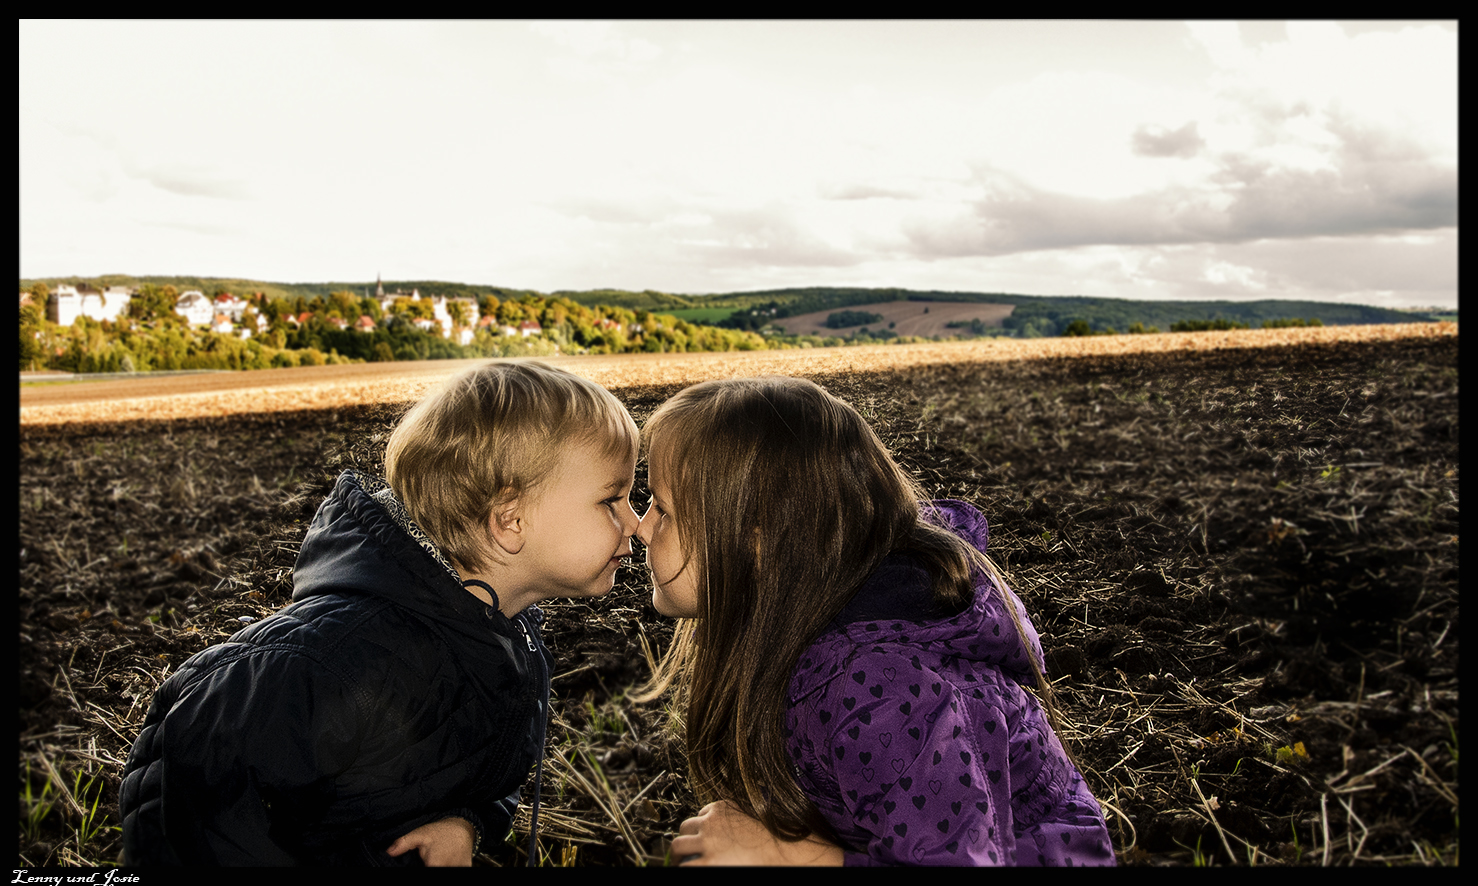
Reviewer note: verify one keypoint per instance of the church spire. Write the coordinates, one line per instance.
(379, 288)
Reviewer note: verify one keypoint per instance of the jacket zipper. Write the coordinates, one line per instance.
(539, 765)
(526, 638)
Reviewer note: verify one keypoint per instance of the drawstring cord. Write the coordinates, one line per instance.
(539, 769)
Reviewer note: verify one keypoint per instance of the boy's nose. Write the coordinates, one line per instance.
(643, 528)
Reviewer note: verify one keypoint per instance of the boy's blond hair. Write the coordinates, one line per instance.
(492, 434)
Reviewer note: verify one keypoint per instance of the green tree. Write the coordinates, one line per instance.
(346, 303)
(32, 352)
(459, 313)
(153, 303)
(416, 309)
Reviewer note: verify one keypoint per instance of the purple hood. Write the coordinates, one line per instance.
(911, 731)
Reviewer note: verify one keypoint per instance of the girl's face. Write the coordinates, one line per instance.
(674, 586)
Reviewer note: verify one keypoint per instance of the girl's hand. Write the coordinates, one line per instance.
(722, 835)
(443, 844)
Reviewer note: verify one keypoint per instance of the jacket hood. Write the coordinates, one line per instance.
(362, 542)
(895, 605)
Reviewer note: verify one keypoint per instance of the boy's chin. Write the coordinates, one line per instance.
(600, 590)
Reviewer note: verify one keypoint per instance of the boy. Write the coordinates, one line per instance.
(391, 713)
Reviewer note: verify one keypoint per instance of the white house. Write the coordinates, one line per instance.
(440, 307)
(69, 302)
(387, 300)
(195, 308)
(231, 306)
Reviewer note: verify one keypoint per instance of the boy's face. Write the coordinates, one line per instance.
(674, 586)
(579, 524)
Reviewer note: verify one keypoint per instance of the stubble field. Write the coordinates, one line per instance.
(1240, 551)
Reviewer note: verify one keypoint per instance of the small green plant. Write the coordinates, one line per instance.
(36, 806)
(1329, 471)
(91, 824)
(604, 719)
(1199, 859)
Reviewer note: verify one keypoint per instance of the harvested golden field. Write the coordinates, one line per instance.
(1240, 550)
(330, 387)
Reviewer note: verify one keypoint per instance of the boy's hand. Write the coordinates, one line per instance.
(443, 844)
(722, 835)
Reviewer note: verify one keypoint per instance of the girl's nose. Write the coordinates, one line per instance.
(644, 527)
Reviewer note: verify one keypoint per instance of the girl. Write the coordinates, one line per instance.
(851, 664)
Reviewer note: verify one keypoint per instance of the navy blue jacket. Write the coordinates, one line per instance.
(384, 697)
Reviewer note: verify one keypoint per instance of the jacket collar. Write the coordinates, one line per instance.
(899, 589)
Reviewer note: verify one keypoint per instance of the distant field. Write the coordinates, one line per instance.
(330, 387)
(921, 318)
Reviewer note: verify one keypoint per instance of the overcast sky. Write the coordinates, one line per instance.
(1153, 160)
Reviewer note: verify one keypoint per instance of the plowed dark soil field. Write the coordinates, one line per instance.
(1243, 563)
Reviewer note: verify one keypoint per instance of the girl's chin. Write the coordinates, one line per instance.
(665, 607)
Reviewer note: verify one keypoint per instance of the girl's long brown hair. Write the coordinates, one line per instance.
(785, 501)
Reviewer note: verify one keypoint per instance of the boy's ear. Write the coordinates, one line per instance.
(505, 524)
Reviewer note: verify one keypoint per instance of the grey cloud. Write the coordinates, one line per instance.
(1157, 141)
(859, 191)
(1358, 199)
(186, 179)
(1338, 264)
(1380, 183)
(193, 182)
(1016, 217)
(768, 236)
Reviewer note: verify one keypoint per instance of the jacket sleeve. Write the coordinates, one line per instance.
(920, 770)
(249, 749)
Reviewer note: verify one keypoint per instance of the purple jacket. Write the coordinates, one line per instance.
(914, 737)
